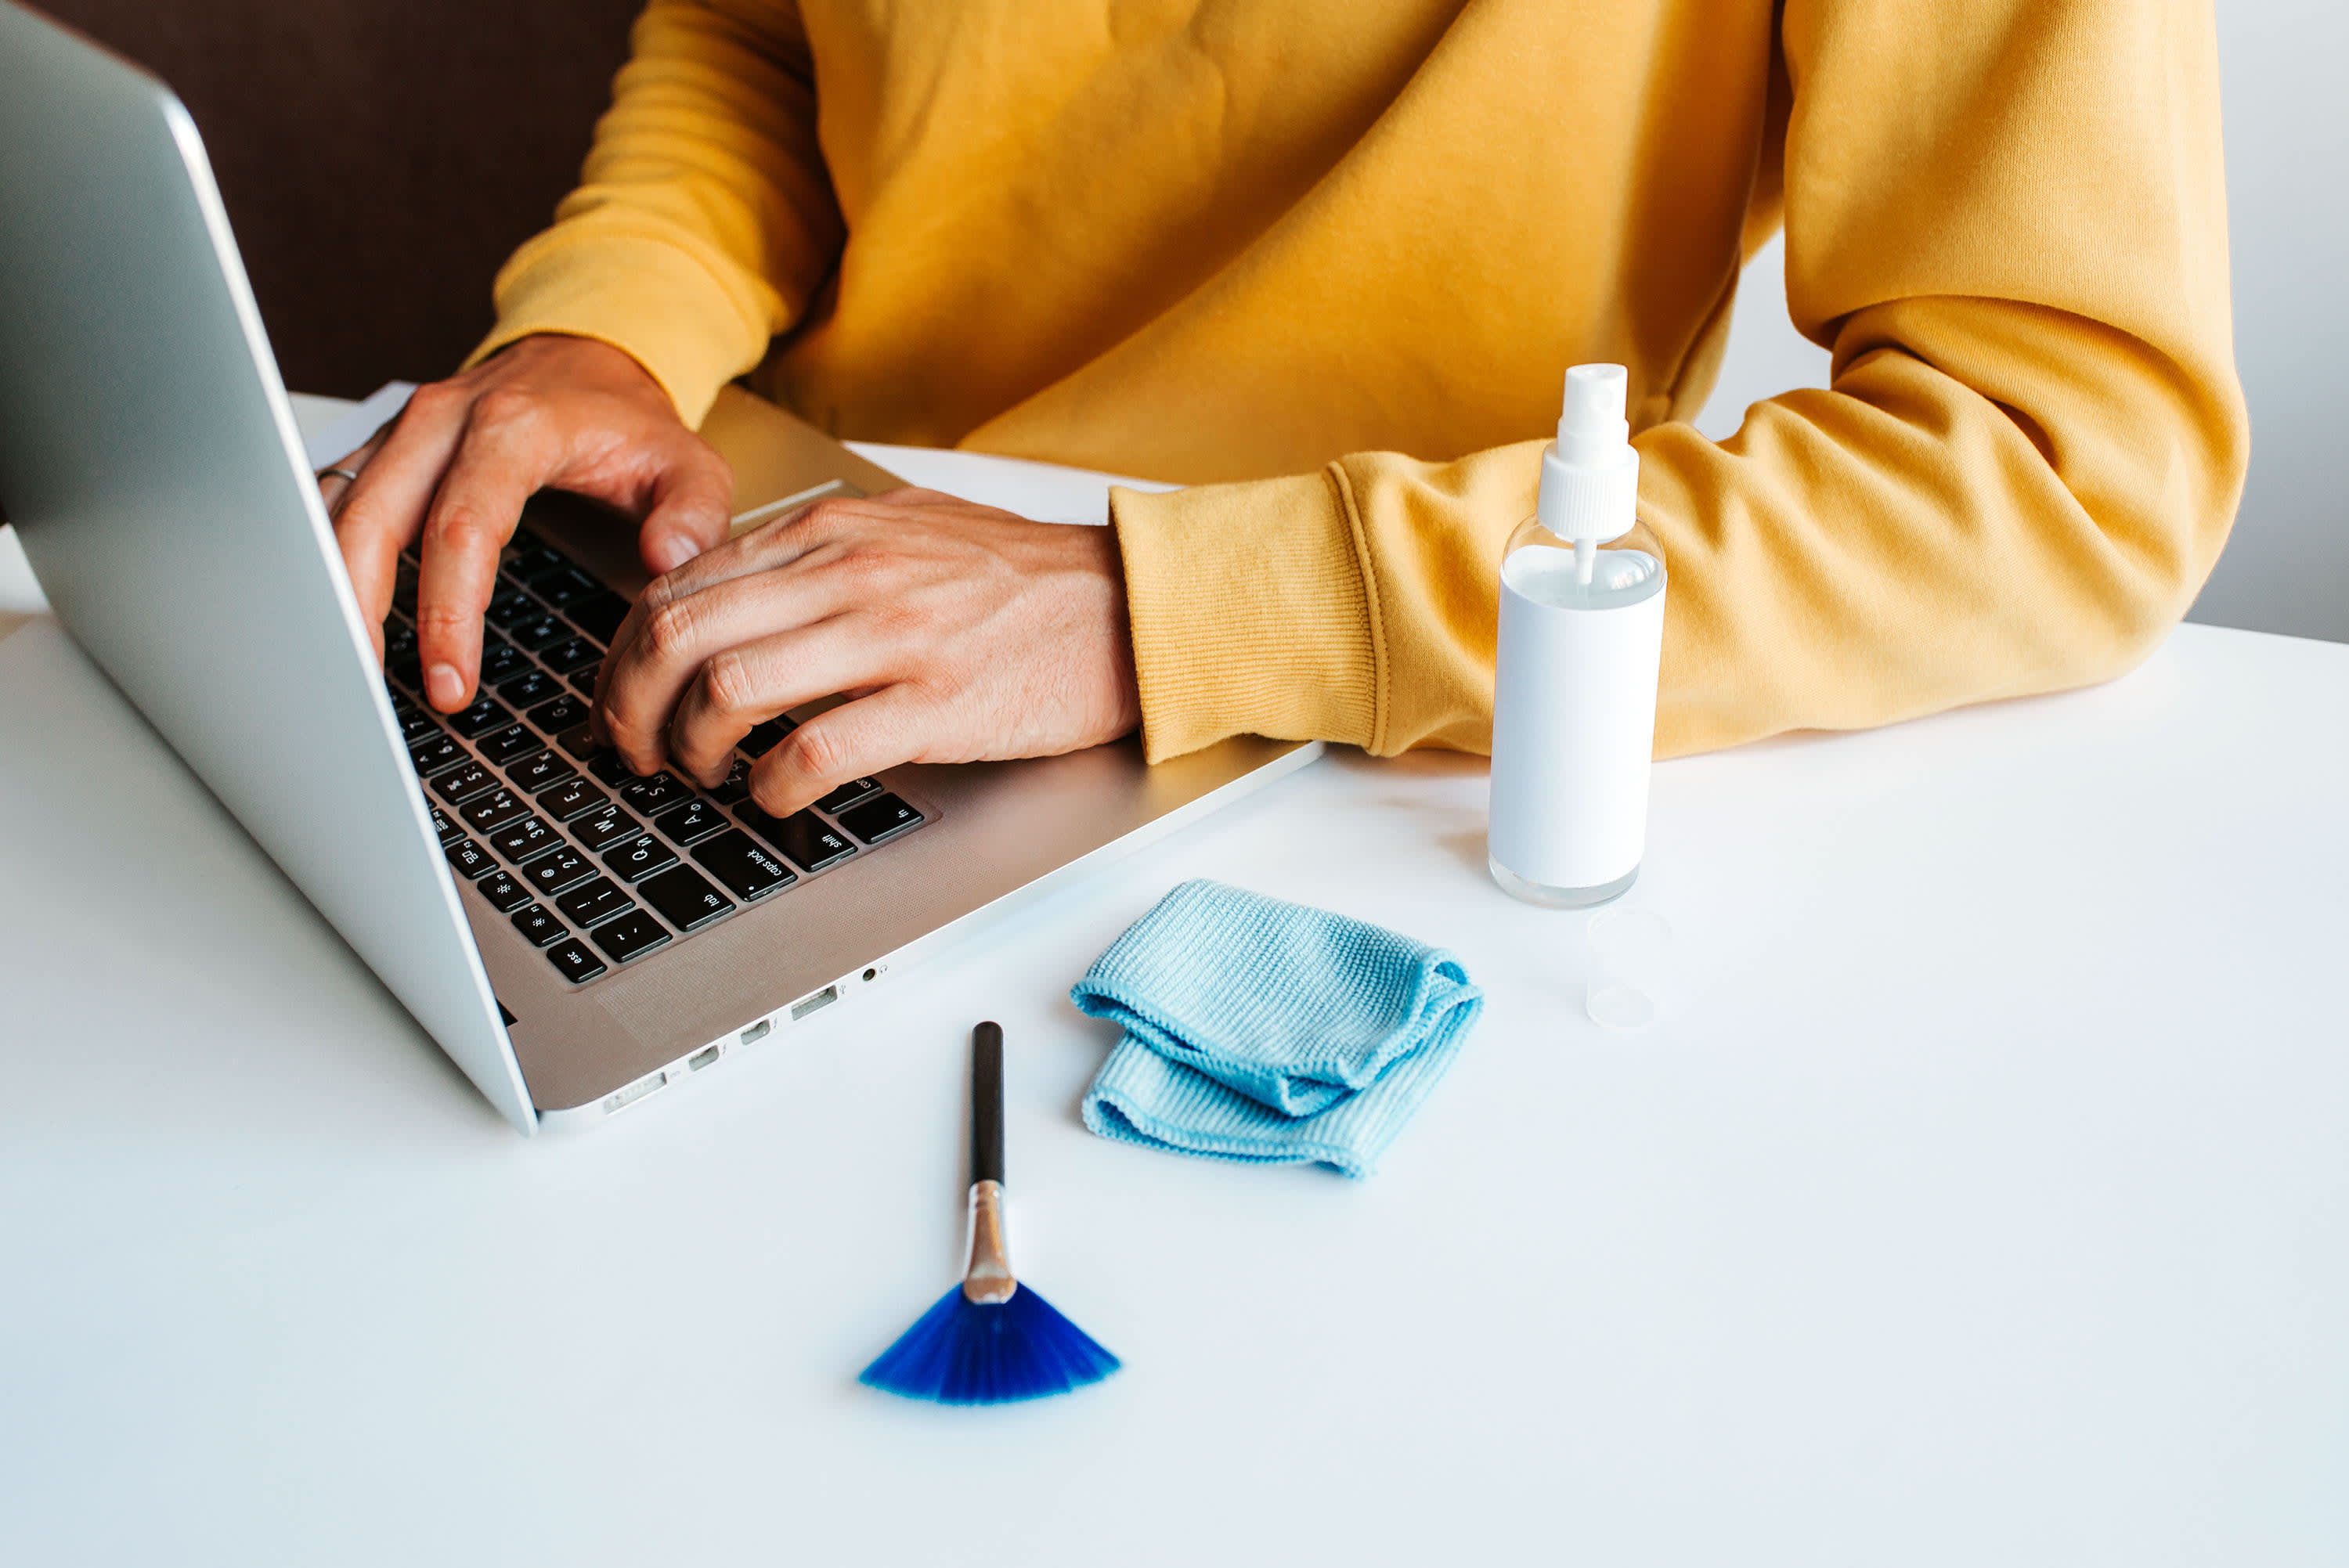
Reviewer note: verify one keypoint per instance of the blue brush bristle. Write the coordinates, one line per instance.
(961, 1353)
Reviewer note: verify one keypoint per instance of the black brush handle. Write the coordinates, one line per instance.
(986, 1103)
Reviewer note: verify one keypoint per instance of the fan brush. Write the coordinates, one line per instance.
(990, 1340)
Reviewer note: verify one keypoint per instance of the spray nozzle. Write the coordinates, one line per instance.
(1591, 474)
(1592, 420)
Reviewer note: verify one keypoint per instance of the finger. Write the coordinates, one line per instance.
(770, 547)
(785, 542)
(371, 570)
(691, 500)
(640, 685)
(377, 514)
(500, 464)
(896, 724)
(334, 479)
(753, 682)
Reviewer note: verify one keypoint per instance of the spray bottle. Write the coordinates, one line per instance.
(1574, 698)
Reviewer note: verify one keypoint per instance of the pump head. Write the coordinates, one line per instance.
(1591, 474)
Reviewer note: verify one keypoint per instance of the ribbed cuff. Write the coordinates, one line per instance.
(642, 296)
(1249, 613)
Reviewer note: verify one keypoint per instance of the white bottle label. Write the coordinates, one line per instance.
(1574, 716)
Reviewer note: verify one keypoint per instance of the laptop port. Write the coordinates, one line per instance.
(623, 1098)
(703, 1058)
(806, 1005)
(756, 1032)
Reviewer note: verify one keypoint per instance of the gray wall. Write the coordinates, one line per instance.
(2287, 117)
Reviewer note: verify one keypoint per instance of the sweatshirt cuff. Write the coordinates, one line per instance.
(1249, 613)
(640, 294)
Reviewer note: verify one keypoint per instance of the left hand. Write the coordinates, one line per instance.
(959, 633)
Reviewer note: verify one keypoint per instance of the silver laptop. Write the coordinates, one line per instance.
(576, 939)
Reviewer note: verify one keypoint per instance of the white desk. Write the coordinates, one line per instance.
(1987, 1200)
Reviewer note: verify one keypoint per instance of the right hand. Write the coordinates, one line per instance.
(454, 469)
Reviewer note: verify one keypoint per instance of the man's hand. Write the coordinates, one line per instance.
(960, 634)
(456, 467)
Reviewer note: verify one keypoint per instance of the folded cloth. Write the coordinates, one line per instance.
(1269, 1032)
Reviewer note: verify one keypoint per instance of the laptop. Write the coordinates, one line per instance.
(576, 938)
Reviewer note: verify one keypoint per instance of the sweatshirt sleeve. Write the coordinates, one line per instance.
(705, 221)
(2012, 234)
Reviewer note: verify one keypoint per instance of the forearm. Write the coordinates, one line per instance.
(2013, 240)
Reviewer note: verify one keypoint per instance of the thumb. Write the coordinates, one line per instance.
(692, 503)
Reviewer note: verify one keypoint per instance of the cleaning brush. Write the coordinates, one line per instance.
(990, 1339)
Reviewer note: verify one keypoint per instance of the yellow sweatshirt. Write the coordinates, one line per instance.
(1326, 261)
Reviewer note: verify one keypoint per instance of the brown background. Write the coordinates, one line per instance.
(379, 158)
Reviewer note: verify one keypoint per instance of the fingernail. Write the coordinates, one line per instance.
(444, 686)
(673, 552)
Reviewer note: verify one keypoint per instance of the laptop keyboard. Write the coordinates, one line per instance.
(595, 866)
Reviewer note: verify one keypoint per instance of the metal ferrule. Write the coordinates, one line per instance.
(987, 1281)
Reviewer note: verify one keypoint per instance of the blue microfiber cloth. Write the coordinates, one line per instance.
(1269, 1032)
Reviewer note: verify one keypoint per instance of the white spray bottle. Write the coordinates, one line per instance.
(1574, 697)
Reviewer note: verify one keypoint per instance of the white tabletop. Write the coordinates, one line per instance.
(1985, 1199)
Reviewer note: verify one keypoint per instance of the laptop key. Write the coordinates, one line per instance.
(691, 823)
(534, 635)
(531, 558)
(570, 655)
(539, 771)
(511, 606)
(415, 724)
(804, 839)
(529, 689)
(572, 797)
(630, 936)
(550, 874)
(609, 765)
(882, 817)
(601, 830)
(764, 737)
(488, 813)
(449, 832)
(565, 585)
(501, 661)
(502, 746)
(559, 714)
(485, 716)
(657, 793)
(580, 742)
(463, 783)
(597, 900)
(684, 898)
(599, 615)
(524, 839)
(639, 857)
(735, 786)
(847, 795)
(583, 679)
(504, 894)
(469, 859)
(538, 925)
(434, 753)
(750, 872)
(575, 962)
